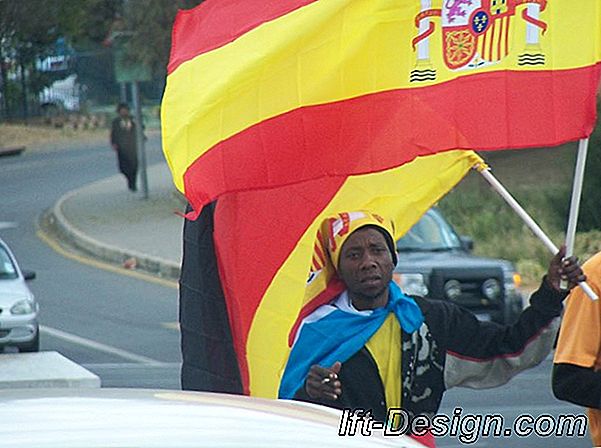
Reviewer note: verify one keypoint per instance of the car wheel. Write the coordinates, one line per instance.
(33, 346)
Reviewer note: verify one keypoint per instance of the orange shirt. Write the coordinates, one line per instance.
(580, 335)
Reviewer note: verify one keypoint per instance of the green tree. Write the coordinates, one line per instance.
(93, 27)
(150, 22)
(28, 31)
(86, 23)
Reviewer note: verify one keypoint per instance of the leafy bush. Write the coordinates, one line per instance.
(499, 232)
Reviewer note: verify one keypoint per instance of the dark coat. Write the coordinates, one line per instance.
(452, 348)
(123, 136)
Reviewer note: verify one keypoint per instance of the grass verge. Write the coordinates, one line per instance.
(476, 210)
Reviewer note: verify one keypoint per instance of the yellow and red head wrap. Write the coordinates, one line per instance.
(322, 283)
(337, 229)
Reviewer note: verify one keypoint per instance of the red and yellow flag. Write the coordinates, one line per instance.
(265, 244)
(268, 93)
(288, 111)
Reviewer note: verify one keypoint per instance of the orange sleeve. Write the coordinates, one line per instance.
(580, 333)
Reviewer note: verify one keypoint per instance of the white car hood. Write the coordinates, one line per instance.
(102, 418)
(12, 291)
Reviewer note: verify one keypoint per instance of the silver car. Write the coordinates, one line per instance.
(18, 307)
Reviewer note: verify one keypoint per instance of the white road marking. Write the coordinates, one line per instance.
(128, 365)
(74, 339)
(8, 225)
(170, 325)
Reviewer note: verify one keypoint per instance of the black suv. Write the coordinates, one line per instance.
(435, 262)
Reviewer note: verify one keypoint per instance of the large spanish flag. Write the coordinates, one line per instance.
(267, 93)
(288, 111)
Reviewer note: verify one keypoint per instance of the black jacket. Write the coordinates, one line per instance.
(452, 348)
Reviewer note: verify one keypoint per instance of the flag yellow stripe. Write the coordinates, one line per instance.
(505, 44)
(330, 51)
(402, 194)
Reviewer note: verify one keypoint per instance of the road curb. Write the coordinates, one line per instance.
(11, 151)
(73, 236)
(45, 369)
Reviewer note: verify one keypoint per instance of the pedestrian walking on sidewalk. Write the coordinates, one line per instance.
(123, 141)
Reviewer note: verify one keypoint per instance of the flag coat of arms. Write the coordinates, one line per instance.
(287, 111)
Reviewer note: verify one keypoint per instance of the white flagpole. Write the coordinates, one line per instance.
(484, 170)
(575, 203)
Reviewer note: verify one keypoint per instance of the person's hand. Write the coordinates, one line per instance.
(323, 383)
(564, 269)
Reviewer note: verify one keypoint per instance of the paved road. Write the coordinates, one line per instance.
(120, 327)
(527, 393)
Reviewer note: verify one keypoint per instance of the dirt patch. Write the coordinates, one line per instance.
(41, 138)
(45, 138)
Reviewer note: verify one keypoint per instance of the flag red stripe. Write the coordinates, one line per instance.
(319, 253)
(330, 139)
(316, 265)
(249, 259)
(215, 23)
(501, 31)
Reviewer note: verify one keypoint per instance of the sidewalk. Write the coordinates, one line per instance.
(104, 219)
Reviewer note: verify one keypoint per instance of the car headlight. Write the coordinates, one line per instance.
(491, 289)
(22, 307)
(512, 282)
(452, 289)
(411, 284)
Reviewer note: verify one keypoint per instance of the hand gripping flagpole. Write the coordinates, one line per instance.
(484, 170)
(575, 204)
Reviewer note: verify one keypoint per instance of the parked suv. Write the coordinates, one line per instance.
(435, 262)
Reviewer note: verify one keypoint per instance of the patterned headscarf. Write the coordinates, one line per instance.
(323, 283)
(337, 229)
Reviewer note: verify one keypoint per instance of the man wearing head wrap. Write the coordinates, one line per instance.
(374, 348)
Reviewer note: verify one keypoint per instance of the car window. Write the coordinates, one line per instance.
(431, 232)
(8, 270)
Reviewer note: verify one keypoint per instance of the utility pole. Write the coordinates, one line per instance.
(123, 92)
(127, 72)
(135, 94)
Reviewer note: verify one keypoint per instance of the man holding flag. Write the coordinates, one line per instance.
(277, 114)
(373, 348)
